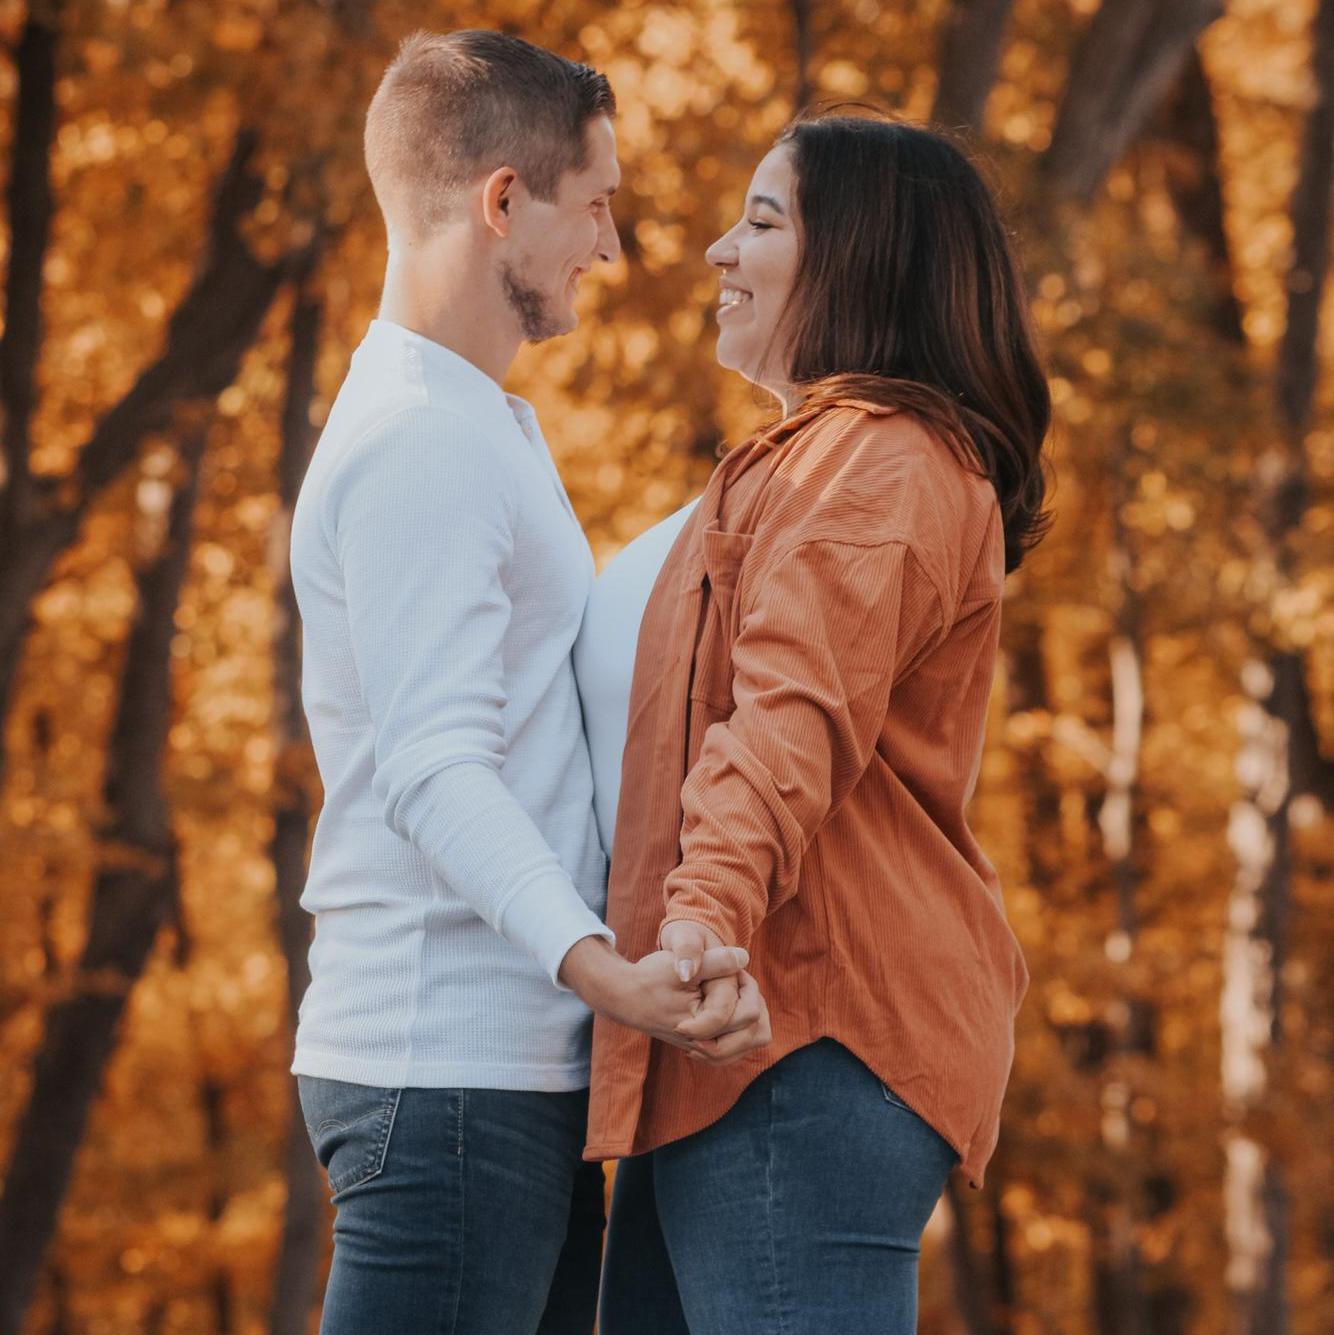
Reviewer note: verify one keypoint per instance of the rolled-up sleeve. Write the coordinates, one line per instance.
(822, 635)
(421, 521)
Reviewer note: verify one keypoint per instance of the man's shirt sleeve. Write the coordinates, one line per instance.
(420, 516)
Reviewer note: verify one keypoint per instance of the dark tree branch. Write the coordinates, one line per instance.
(1126, 64)
(207, 336)
(30, 208)
(1190, 129)
(353, 16)
(969, 58)
(801, 41)
(209, 331)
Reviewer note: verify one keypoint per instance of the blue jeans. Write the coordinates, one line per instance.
(799, 1212)
(459, 1211)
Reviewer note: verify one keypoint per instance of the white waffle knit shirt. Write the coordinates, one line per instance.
(442, 575)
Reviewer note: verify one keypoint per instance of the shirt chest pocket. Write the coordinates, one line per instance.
(724, 555)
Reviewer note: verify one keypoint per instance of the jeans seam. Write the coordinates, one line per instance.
(386, 1130)
(462, 1213)
(769, 1192)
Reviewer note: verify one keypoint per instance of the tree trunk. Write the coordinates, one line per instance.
(1118, 1284)
(212, 1096)
(1279, 758)
(29, 208)
(1126, 64)
(801, 41)
(969, 59)
(971, 1284)
(984, 1285)
(133, 894)
(295, 1285)
(1310, 247)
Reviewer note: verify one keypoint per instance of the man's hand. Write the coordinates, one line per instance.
(747, 1030)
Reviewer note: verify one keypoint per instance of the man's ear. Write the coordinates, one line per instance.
(498, 200)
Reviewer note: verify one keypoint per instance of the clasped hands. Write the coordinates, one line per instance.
(693, 993)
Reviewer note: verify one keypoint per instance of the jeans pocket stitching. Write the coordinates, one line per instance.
(337, 1123)
(373, 1164)
(893, 1099)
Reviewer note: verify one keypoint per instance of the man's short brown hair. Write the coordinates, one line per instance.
(455, 106)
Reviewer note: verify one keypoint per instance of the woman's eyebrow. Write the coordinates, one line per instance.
(770, 201)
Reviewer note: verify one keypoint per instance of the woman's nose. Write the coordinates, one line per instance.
(718, 254)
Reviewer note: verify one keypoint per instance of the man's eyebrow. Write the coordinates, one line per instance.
(770, 201)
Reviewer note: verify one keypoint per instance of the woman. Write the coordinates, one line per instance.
(805, 728)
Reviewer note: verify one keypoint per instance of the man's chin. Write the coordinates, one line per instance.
(555, 326)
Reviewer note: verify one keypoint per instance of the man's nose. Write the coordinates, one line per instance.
(609, 241)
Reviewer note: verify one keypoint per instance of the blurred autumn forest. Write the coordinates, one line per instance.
(192, 252)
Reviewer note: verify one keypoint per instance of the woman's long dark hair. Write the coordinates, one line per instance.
(907, 292)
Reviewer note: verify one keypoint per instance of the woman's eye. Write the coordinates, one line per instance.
(760, 226)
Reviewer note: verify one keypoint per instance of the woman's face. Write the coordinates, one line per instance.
(757, 261)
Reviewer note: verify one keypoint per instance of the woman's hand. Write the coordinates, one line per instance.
(733, 1018)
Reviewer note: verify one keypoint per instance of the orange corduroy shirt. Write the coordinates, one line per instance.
(805, 732)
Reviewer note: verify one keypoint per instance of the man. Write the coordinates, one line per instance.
(456, 877)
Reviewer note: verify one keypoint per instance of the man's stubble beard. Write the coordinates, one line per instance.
(536, 319)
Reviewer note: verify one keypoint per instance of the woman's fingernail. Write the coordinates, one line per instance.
(684, 969)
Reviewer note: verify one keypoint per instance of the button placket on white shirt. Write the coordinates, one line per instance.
(526, 417)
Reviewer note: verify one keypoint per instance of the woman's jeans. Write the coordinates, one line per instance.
(459, 1211)
(799, 1212)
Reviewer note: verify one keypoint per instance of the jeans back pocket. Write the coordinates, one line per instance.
(349, 1127)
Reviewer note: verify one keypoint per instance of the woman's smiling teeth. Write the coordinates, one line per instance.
(731, 296)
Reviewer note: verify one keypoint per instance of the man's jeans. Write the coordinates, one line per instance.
(800, 1211)
(458, 1210)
